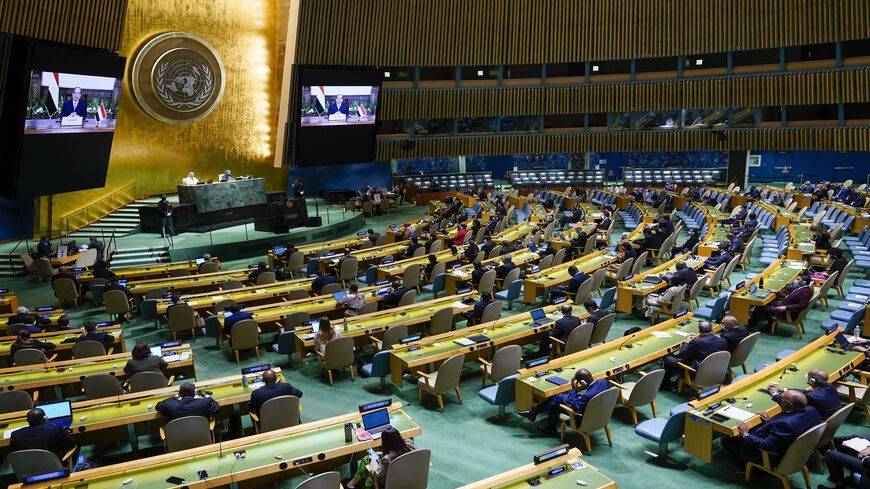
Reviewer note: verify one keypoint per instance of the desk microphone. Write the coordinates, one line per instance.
(630, 337)
(220, 447)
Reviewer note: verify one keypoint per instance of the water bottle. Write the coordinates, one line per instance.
(244, 381)
(348, 432)
(857, 332)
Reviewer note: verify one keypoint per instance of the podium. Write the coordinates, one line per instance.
(212, 197)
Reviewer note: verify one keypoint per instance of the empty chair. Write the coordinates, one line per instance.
(101, 385)
(380, 367)
(741, 352)
(33, 461)
(157, 293)
(441, 321)
(437, 285)
(445, 379)
(15, 400)
(295, 319)
(116, 303)
(44, 270)
(232, 284)
(608, 297)
(596, 416)
(491, 312)
(187, 432)
(664, 431)
(710, 372)
(635, 394)
(487, 282)
(266, 278)
(181, 318)
(348, 270)
(179, 272)
(407, 298)
(223, 305)
(793, 460)
(146, 381)
(276, 413)
(368, 308)
(338, 356)
(245, 335)
(408, 471)
(65, 290)
(209, 267)
(601, 329)
(505, 362)
(326, 480)
(31, 356)
(84, 349)
(500, 394)
(411, 277)
(391, 337)
(583, 291)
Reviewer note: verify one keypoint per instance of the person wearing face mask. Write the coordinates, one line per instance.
(773, 434)
(821, 395)
(794, 301)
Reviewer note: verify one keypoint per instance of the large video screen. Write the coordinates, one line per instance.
(337, 115)
(71, 101)
(58, 118)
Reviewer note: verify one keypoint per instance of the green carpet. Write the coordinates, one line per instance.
(466, 444)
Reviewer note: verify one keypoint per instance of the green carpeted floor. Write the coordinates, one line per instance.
(466, 443)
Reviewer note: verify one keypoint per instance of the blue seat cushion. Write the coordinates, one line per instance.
(827, 323)
(767, 260)
(858, 298)
(860, 290)
(842, 315)
(488, 393)
(783, 354)
(740, 377)
(429, 288)
(850, 306)
(651, 429)
(861, 283)
(704, 312)
(680, 408)
(501, 294)
(762, 366)
(367, 369)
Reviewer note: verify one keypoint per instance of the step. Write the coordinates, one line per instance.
(121, 219)
(141, 254)
(144, 248)
(119, 262)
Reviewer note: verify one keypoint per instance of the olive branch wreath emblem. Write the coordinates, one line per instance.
(167, 97)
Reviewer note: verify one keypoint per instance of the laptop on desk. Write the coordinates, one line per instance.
(375, 422)
(539, 317)
(58, 413)
(753, 290)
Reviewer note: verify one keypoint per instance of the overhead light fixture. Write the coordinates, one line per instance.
(594, 67)
(479, 72)
(386, 74)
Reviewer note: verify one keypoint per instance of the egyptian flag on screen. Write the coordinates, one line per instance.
(319, 98)
(53, 103)
(361, 110)
(100, 113)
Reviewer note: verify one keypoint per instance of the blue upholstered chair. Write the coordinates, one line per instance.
(500, 394)
(663, 431)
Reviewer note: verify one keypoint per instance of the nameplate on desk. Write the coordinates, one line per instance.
(338, 116)
(72, 120)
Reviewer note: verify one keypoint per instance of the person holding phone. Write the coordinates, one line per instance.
(375, 464)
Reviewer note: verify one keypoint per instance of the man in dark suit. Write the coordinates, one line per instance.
(595, 314)
(430, 240)
(664, 225)
(23, 316)
(271, 388)
(261, 268)
(735, 244)
(75, 106)
(322, 280)
(720, 257)
(506, 266)
(684, 275)
(185, 404)
(577, 279)
(843, 458)
(373, 236)
(576, 399)
(471, 251)
(477, 274)
(694, 351)
(773, 434)
(476, 314)
(40, 436)
(236, 316)
(732, 331)
(338, 105)
(97, 245)
(821, 395)
(412, 247)
(651, 240)
(794, 302)
(392, 299)
(91, 334)
(43, 248)
(488, 244)
(561, 329)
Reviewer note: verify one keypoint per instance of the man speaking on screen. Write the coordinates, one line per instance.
(338, 105)
(76, 105)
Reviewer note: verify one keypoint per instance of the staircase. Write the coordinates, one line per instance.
(125, 257)
(8, 269)
(121, 222)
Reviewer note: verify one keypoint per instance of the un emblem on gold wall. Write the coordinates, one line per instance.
(178, 78)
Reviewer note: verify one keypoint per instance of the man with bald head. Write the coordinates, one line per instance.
(271, 388)
(774, 434)
(186, 404)
(40, 436)
(732, 331)
(821, 395)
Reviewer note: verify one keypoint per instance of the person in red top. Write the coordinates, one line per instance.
(460, 236)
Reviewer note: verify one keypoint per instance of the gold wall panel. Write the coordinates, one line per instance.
(238, 135)
(93, 23)
(485, 32)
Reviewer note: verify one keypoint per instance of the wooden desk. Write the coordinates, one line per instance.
(514, 233)
(311, 447)
(104, 416)
(574, 469)
(273, 292)
(314, 249)
(801, 242)
(633, 291)
(396, 269)
(563, 240)
(605, 360)
(781, 217)
(460, 277)
(178, 284)
(396, 232)
(701, 429)
(776, 276)
(63, 350)
(540, 283)
(449, 233)
(72, 372)
(143, 272)
(366, 257)
(58, 262)
(368, 326)
(513, 330)
(9, 302)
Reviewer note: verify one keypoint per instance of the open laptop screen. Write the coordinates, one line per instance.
(157, 351)
(375, 419)
(538, 314)
(57, 410)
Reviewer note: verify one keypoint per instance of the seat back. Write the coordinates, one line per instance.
(381, 363)
(834, 422)
(393, 335)
(730, 267)
(116, 302)
(181, 317)
(330, 289)
(231, 284)
(157, 293)
(743, 349)
(411, 277)
(448, 373)
(697, 287)
(65, 289)
(295, 319)
(716, 277)
(559, 257)
(210, 267)
(84, 349)
(279, 412)
(29, 356)
(843, 273)
(338, 354)
(495, 251)
(187, 432)
(599, 410)
(601, 329)
(623, 269)
(407, 298)
(15, 400)
(506, 361)
(349, 269)
(491, 312)
(33, 461)
(266, 278)
(640, 262)
(675, 425)
(441, 322)
(101, 385)
(435, 246)
(598, 278)
(546, 262)
(419, 251)
(222, 305)
(326, 480)
(179, 272)
(712, 370)
(645, 390)
(44, 269)
(438, 269)
(487, 281)
(409, 470)
(795, 457)
(583, 291)
(511, 276)
(368, 308)
(146, 381)
(245, 334)
(295, 261)
(578, 339)
(676, 303)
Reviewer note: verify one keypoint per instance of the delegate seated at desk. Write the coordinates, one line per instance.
(39, 436)
(185, 404)
(271, 388)
(190, 179)
(75, 106)
(338, 105)
(227, 176)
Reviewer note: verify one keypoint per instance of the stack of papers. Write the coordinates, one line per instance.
(661, 334)
(458, 305)
(8, 433)
(683, 333)
(736, 413)
(856, 444)
(464, 341)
